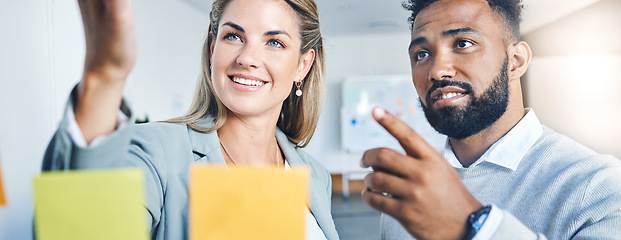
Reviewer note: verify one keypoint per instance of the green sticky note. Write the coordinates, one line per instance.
(88, 204)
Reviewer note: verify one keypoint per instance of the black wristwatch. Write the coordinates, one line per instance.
(475, 221)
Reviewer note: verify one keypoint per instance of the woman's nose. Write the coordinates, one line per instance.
(249, 56)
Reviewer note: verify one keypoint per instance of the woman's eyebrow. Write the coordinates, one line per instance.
(277, 32)
(268, 33)
(235, 26)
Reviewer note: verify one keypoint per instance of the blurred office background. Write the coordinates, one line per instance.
(572, 82)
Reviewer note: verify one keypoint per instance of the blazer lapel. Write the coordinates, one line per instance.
(316, 192)
(206, 145)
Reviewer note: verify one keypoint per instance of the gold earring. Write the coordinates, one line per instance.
(299, 91)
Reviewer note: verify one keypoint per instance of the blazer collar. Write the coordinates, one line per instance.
(206, 145)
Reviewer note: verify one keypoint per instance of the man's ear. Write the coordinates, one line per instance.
(519, 58)
(306, 62)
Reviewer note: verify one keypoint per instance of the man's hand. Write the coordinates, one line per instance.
(423, 191)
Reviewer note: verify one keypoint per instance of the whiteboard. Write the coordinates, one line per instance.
(396, 94)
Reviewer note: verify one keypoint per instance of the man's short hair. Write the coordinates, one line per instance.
(509, 10)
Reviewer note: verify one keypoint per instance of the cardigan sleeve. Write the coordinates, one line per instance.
(599, 215)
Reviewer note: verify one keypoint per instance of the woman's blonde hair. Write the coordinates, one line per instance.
(299, 114)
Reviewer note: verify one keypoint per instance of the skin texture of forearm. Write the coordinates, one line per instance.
(110, 57)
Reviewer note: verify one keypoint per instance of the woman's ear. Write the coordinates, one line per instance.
(212, 43)
(306, 62)
(519, 59)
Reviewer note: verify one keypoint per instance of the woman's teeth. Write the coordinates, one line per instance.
(248, 81)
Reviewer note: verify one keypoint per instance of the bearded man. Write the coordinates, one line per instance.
(502, 175)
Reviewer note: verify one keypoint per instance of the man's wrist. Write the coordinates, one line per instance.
(475, 221)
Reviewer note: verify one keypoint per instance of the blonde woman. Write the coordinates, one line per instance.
(256, 104)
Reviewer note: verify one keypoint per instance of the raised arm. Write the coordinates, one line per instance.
(110, 57)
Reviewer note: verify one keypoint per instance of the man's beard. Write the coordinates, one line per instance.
(482, 112)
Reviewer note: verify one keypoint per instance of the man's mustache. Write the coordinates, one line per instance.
(445, 83)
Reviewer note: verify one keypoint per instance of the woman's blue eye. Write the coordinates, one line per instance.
(275, 43)
(420, 55)
(232, 37)
(464, 44)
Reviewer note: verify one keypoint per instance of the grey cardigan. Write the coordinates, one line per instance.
(164, 151)
(560, 190)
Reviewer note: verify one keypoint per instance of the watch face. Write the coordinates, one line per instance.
(476, 220)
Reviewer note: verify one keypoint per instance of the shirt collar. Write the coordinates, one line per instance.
(509, 150)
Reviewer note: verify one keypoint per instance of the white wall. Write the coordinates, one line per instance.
(579, 96)
(573, 81)
(346, 56)
(26, 92)
(41, 58)
(170, 39)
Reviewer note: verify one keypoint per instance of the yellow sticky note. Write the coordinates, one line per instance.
(247, 203)
(2, 197)
(81, 204)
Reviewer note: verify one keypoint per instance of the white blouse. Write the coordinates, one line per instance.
(313, 231)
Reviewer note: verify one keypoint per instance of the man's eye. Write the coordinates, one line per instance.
(420, 55)
(232, 37)
(464, 44)
(275, 43)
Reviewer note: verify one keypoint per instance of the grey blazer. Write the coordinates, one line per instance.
(164, 151)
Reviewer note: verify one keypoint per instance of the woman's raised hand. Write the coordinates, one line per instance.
(110, 39)
(110, 56)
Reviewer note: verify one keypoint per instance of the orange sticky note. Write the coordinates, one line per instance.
(90, 204)
(247, 203)
(2, 196)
